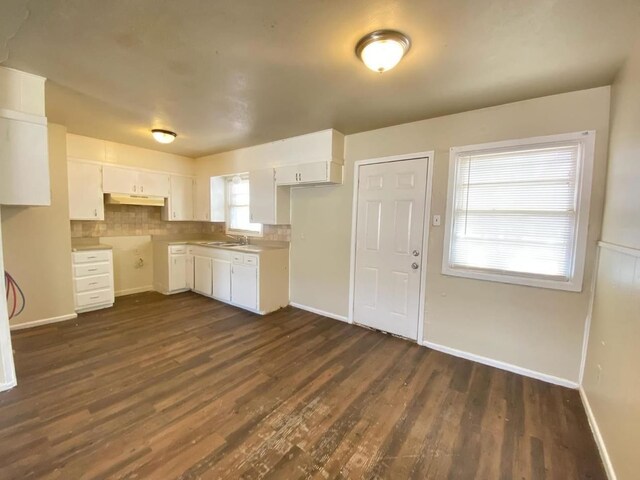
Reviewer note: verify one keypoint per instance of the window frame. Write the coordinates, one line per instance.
(583, 203)
(227, 208)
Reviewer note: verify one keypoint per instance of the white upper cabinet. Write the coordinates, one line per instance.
(202, 199)
(179, 206)
(268, 203)
(314, 173)
(134, 182)
(119, 180)
(24, 147)
(218, 194)
(153, 184)
(86, 201)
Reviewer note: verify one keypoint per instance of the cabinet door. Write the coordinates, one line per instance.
(181, 198)
(218, 195)
(24, 163)
(202, 196)
(86, 201)
(314, 172)
(244, 286)
(154, 184)
(189, 271)
(262, 196)
(119, 180)
(287, 175)
(177, 272)
(222, 279)
(202, 275)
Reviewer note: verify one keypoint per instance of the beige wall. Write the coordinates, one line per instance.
(533, 328)
(130, 275)
(37, 243)
(611, 382)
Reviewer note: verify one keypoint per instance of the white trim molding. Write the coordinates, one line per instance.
(7, 386)
(44, 321)
(131, 291)
(317, 311)
(602, 448)
(634, 252)
(563, 382)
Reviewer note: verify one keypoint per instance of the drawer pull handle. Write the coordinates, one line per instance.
(93, 256)
(93, 283)
(92, 269)
(95, 297)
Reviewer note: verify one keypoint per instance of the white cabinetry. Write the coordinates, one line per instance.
(202, 275)
(202, 199)
(178, 268)
(317, 173)
(24, 147)
(244, 282)
(269, 204)
(92, 279)
(221, 279)
(180, 203)
(86, 201)
(133, 182)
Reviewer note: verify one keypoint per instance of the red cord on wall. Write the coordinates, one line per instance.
(15, 296)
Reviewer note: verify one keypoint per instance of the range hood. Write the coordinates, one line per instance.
(119, 199)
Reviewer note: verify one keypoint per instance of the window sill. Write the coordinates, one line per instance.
(573, 285)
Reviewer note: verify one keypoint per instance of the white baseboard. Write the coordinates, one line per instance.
(44, 321)
(320, 312)
(502, 365)
(131, 291)
(7, 386)
(604, 454)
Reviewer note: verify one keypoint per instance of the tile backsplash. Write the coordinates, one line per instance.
(132, 220)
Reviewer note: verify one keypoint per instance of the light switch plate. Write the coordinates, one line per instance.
(436, 221)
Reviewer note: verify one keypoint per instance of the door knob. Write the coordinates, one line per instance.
(416, 253)
(414, 265)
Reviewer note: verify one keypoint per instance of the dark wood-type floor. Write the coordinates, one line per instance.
(186, 387)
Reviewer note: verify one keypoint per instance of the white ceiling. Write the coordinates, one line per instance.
(229, 73)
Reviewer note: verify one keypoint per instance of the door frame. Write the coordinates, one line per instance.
(428, 156)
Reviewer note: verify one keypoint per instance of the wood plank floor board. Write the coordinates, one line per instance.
(182, 386)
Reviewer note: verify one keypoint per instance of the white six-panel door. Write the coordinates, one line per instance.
(389, 239)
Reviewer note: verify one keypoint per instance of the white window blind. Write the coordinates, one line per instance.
(238, 207)
(515, 210)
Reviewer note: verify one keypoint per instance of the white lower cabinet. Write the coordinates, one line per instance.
(254, 281)
(178, 272)
(221, 279)
(202, 275)
(244, 286)
(92, 279)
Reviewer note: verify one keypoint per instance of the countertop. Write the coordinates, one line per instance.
(234, 248)
(94, 246)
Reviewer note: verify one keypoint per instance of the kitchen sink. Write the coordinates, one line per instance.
(220, 244)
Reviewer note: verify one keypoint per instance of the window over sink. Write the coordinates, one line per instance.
(238, 217)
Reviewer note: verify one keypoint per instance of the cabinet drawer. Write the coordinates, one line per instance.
(99, 282)
(250, 259)
(91, 256)
(236, 258)
(94, 298)
(86, 270)
(178, 249)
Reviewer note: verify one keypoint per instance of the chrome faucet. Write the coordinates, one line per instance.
(243, 239)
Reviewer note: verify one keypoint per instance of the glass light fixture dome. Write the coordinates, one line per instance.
(163, 136)
(383, 49)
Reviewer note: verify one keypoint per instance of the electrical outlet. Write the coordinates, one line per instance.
(436, 221)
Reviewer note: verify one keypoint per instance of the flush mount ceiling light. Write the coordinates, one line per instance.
(383, 49)
(163, 136)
